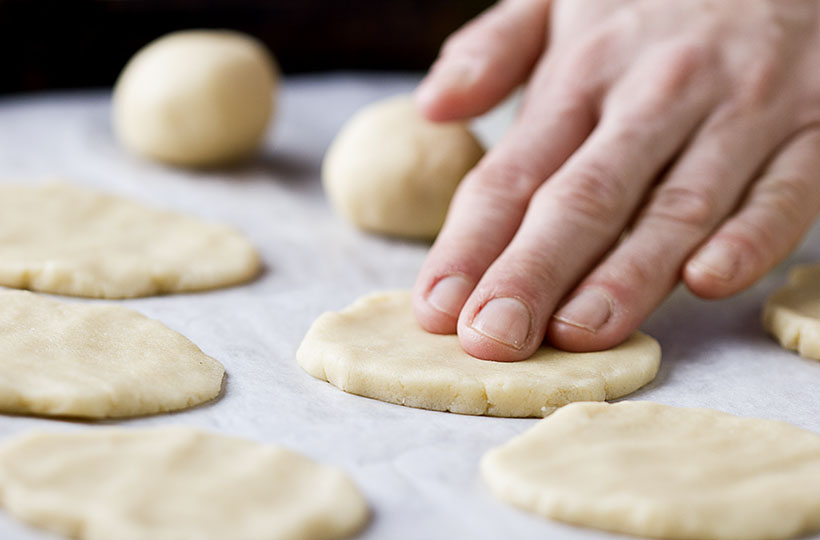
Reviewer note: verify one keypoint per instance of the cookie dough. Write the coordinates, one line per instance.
(196, 98)
(96, 361)
(792, 313)
(391, 171)
(375, 348)
(63, 239)
(652, 470)
(173, 483)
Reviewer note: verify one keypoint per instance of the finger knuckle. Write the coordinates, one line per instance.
(593, 191)
(753, 92)
(685, 55)
(778, 207)
(757, 86)
(507, 181)
(785, 196)
(676, 66)
(645, 99)
(584, 64)
(629, 277)
(567, 105)
(756, 239)
(636, 272)
(589, 52)
(539, 265)
(530, 271)
(684, 206)
(751, 241)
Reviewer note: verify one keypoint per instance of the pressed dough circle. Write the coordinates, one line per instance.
(173, 483)
(391, 171)
(196, 98)
(375, 348)
(652, 470)
(792, 313)
(63, 239)
(96, 361)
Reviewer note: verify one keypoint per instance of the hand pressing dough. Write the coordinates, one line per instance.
(63, 239)
(96, 361)
(792, 313)
(652, 470)
(391, 171)
(375, 348)
(172, 484)
(196, 98)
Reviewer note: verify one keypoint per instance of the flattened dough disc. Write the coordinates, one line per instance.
(96, 361)
(652, 470)
(63, 239)
(375, 348)
(792, 313)
(173, 484)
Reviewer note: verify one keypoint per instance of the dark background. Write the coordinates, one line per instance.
(85, 43)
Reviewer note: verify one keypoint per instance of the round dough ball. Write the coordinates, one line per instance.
(391, 171)
(196, 98)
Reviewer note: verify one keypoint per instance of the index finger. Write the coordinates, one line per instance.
(490, 203)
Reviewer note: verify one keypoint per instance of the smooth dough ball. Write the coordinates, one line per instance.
(196, 98)
(391, 171)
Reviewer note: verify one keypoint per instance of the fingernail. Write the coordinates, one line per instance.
(590, 309)
(449, 295)
(718, 259)
(506, 320)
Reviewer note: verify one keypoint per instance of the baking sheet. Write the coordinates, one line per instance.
(418, 469)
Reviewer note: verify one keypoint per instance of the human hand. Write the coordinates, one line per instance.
(658, 140)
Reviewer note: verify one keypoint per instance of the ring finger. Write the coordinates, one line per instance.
(700, 190)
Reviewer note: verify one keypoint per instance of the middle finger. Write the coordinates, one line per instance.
(701, 189)
(579, 213)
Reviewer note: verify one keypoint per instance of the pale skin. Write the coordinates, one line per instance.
(659, 141)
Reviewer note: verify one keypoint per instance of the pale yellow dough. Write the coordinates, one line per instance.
(196, 98)
(792, 313)
(173, 484)
(391, 171)
(64, 239)
(375, 348)
(96, 361)
(652, 470)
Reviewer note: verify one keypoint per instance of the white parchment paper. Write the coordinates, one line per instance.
(417, 468)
